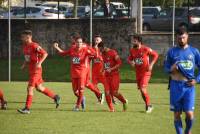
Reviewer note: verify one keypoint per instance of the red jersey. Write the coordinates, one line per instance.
(79, 62)
(97, 66)
(141, 58)
(33, 53)
(110, 61)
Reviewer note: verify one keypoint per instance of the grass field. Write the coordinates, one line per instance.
(45, 119)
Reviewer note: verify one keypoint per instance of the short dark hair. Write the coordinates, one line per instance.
(181, 31)
(74, 35)
(26, 32)
(101, 45)
(78, 37)
(97, 35)
(137, 37)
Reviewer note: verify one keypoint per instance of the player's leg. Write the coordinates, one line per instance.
(143, 83)
(115, 90)
(81, 86)
(108, 93)
(29, 99)
(75, 87)
(178, 122)
(48, 92)
(2, 100)
(189, 102)
(176, 104)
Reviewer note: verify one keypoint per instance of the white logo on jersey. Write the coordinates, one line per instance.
(107, 65)
(187, 64)
(138, 61)
(76, 60)
(27, 58)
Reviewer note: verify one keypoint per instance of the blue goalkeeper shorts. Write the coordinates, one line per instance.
(182, 96)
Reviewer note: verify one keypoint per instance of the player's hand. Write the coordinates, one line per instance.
(191, 82)
(38, 65)
(108, 70)
(55, 45)
(174, 68)
(22, 67)
(132, 63)
(150, 67)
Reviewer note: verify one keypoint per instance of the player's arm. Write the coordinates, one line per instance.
(24, 65)
(60, 51)
(154, 56)
(197, 62)
(131, 61)
(168, 63)
(43, 54)
(118, 61)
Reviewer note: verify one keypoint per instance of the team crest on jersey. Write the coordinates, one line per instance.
(76, 60)
(190, 56)
(97, 60)
(107, 65)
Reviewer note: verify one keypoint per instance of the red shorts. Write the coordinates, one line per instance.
(78, 83)
(143, 81)
(35, 80)
(100, 79)
(113, 82)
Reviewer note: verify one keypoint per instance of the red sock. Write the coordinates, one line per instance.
(29, 101)
(109, 102)
(49, 93)
(80, 98)
(93, 89)
(1, 96)
(121, 98)
(146, 98)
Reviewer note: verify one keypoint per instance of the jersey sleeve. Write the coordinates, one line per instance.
(38, 49)
(117, 58)
(168, 62)
(197, 62)
(65, 53)
(153, 53)
(130, 58)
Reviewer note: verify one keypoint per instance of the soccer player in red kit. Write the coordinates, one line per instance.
(79, 62)
(2, 101)
(34, 57)
(112, 63)
(140, 59)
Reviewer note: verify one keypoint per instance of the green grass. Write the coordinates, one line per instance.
(57, 69)
(45, 119)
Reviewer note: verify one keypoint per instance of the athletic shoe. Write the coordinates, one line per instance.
(4, 105)
(114, 101)
(111, 110)
(149, 109)
(83, 103)
(102, 98)
(125, 105)
(75, 109)
(24, 111)
(57, 100)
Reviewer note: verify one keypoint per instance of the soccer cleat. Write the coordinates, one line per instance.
(75, 109)
(111, 110)
(125, 106)
(83, 103)
(57, 100)
(24, 111)
(149, 109)
(114, 101)
(102, 98)
(4, 105)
